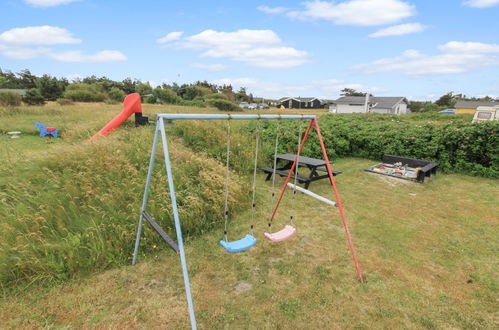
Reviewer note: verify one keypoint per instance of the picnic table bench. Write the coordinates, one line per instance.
(313, 164)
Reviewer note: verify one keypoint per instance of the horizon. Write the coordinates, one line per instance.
(413, 49)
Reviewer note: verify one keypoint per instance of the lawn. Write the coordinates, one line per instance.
(428, 253)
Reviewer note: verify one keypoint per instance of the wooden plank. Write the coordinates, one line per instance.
(171, 243)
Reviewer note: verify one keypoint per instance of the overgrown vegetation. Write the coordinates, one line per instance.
(10, 99)
(100, 89)
(454, 142)
(74, 209)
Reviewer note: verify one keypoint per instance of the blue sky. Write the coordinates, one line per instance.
(418, 49)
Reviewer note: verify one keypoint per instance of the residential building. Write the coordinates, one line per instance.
(301, 103)
(469, 107)
(349, 104)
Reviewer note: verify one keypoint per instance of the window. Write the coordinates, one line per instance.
(484, 115)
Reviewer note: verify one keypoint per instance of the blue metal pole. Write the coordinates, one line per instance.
(146, 193)
(180, 242)
(179, 116)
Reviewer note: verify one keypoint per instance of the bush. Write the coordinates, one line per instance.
(116, 94)
(217, 96)
(10, 99)
(33, 97)
(193, 103)
(84, 93)
(193, 91)
(63, 101)
(166, 95)
(458, 146)
(224, 105)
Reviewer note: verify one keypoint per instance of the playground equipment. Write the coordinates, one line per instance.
(131, 105)
(44, 130)
(249, 240)
(243, 243)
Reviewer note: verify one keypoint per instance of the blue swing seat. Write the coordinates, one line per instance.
(240, 245)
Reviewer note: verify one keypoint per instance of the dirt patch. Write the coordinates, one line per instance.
(242, 287)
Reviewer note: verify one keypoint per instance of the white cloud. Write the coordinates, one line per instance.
(170, 37)
(209, 67)
(21, 43)
(48, 3)
(259, 48)
(99, 57)
(481, 3)
(468, 47)
(275, 10)
(356, 12)
(37, 35)
(327, 89)
(457, 57)
(398, 30)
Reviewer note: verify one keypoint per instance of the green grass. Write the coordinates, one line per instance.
(428, 251)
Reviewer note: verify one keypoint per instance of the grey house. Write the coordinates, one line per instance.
(301, 103)
(397, 105)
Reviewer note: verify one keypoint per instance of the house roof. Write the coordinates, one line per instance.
(299, 99)
(474, 104)
(377, 102)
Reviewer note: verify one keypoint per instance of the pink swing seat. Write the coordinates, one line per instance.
(282, 234)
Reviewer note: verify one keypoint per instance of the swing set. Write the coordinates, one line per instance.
(249, 239)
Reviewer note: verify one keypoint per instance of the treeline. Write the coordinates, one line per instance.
(40, 89)
(446, 101)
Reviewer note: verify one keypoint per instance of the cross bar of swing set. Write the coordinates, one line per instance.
(186, 116)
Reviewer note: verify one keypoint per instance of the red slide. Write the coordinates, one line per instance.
(131, 105)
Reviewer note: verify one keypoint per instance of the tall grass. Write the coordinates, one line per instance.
(76, 210)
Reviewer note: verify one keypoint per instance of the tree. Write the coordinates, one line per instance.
(129, 85)
(351, 92)
(143, 88)
(116, 94)
(33, 97)
(447, 100)
(50, 87)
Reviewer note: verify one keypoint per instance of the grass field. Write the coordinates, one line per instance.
(428, 253)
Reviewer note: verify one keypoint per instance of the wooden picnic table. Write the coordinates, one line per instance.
(285, 161)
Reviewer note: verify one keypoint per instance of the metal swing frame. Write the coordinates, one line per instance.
(179, 247)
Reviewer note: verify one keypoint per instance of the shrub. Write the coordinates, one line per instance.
(224, 105)
(116, 94)
(33, 97)
(457, 145)
(166, 95)
(217, 96)
(193, 103)
(193, 91)
(150, 99)
(63, 101)
(10, 99)
(84, 93)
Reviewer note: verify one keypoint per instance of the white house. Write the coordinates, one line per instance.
(369, 103)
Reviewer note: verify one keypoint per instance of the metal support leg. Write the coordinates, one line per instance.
(177, 224)
(146, 193)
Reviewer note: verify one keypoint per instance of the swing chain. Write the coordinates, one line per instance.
(253, 204)
(292, 216)
(227, 178)
(278, 130)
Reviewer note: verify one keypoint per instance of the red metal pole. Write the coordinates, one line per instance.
(338, 201)
(292, 168)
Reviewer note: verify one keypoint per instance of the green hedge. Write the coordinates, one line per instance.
(455, 143)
